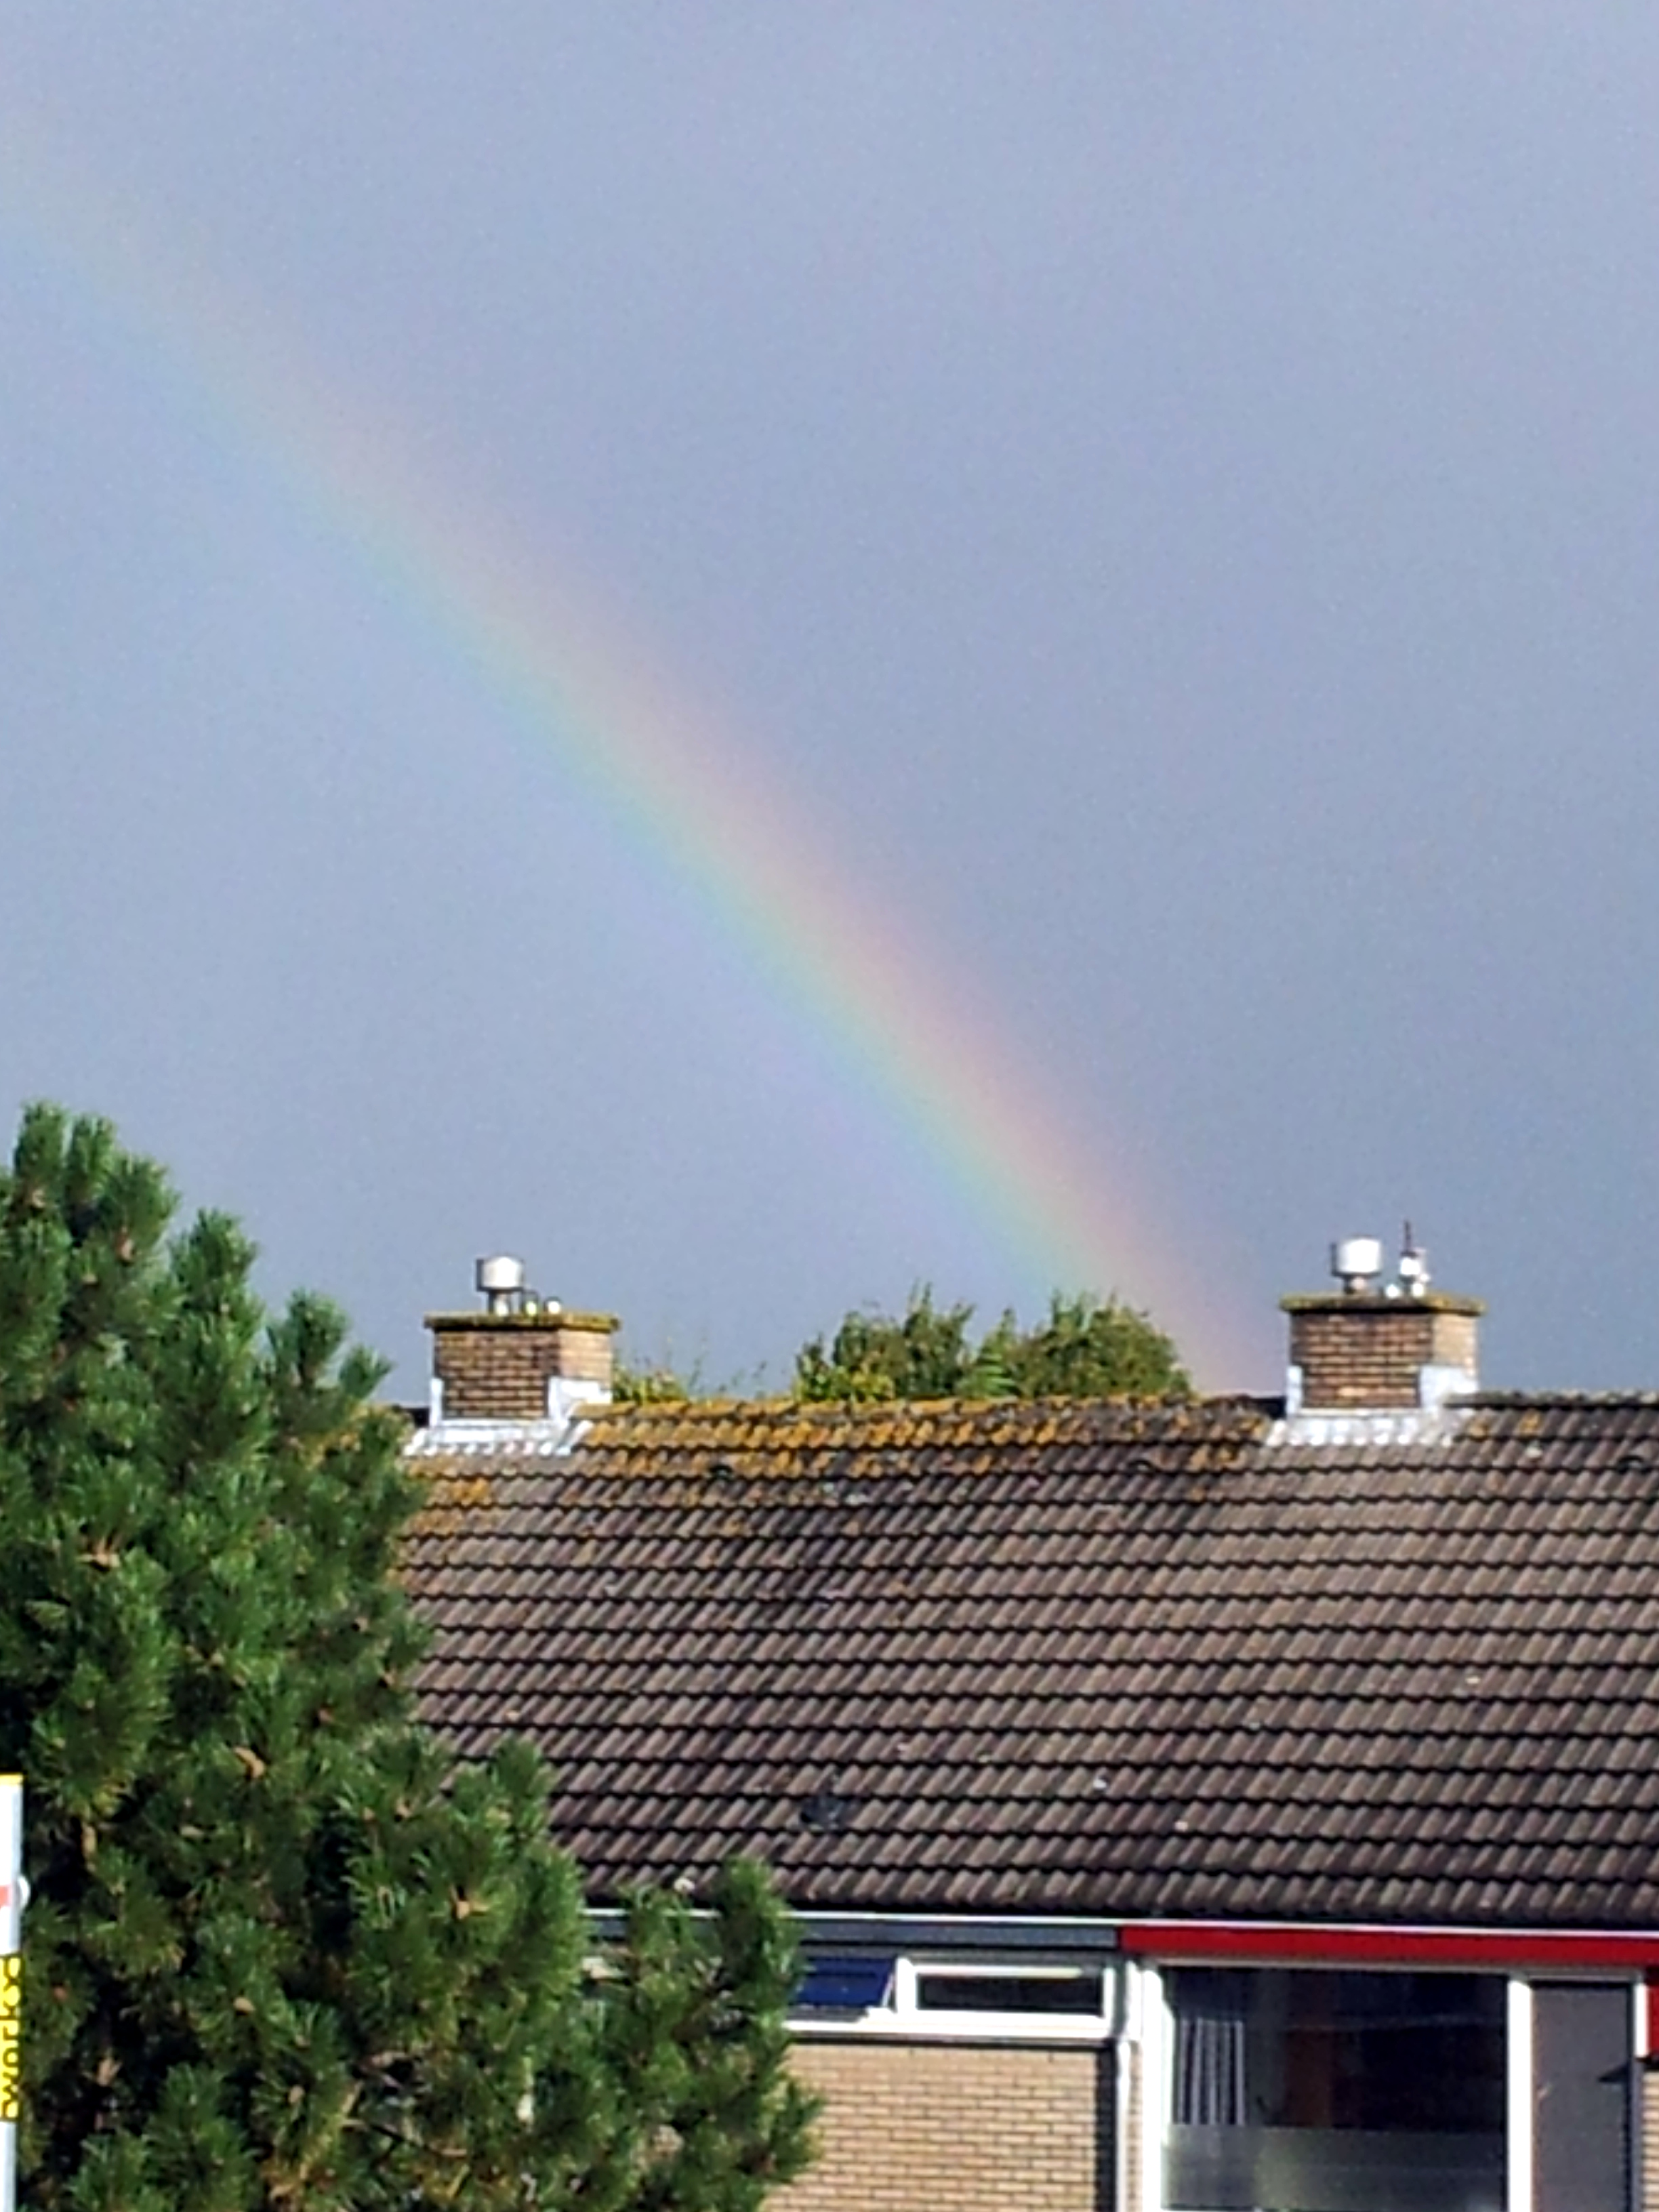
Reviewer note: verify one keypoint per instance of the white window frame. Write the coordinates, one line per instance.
(1518, 2094)
(1151, 2007)
(901, 2015)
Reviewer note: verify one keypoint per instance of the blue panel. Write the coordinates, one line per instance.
(846, 1985)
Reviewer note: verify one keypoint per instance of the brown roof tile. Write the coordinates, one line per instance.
(1079, 1657)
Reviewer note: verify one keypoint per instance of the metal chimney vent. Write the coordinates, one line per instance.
(500, 1280)
(1357, 1263)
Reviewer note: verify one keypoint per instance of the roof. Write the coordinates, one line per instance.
(1083, 1657)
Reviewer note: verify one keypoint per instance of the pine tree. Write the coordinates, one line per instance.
(280, 1956)
(693, 2022)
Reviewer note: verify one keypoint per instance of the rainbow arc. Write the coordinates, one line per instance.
(902, 1028)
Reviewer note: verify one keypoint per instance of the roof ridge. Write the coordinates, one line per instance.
(1644, 1399)
(876, 1409)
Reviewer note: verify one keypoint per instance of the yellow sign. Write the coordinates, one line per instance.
(11, 1996)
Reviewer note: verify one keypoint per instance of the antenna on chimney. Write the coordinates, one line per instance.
(1413, 1264)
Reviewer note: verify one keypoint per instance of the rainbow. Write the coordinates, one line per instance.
(903, 1030)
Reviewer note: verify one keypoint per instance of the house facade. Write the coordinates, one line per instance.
(1234, 1803)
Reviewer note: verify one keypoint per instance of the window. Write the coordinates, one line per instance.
(1010, 1997)
(1294, 2089)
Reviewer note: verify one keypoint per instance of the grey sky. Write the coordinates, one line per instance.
(1170, 491)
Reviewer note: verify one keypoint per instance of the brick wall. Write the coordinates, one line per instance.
(956, 2127)
(1646, 2145)
(1369, 1353)
(497, 1366)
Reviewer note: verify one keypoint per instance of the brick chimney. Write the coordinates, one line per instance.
(1370, 1346)
(522, 1359)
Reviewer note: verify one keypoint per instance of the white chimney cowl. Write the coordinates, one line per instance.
(1357, 1263)
(500, 1279)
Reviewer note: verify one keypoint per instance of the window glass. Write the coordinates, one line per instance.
(1069, 1991)
(1582, 2086)
(844, 1984)
(1304, 2091)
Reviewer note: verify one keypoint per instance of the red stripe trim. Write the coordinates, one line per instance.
(1493, 1948)
(1652, 1994)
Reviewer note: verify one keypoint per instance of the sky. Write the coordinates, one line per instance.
(767, 654)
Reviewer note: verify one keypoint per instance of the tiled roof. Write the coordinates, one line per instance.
(1077, 1657)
